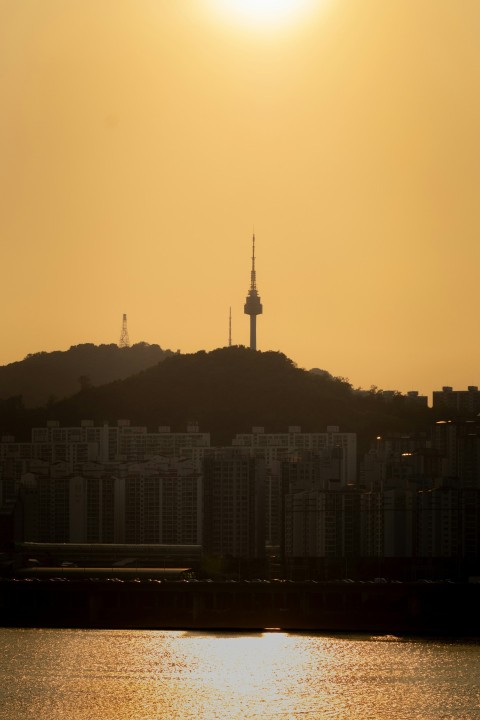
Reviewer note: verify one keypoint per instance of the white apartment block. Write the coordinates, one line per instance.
(278, 446)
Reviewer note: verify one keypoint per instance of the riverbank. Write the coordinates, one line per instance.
(427, 608)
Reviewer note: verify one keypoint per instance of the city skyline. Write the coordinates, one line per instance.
(290, 494)
(147, 140)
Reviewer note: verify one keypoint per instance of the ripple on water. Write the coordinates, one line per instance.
(141, 675)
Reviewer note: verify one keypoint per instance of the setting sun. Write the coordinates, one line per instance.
(263, 12)
(145, 138)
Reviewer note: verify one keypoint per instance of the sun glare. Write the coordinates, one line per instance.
(263, 13)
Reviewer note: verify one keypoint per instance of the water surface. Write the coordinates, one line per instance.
(155, 675)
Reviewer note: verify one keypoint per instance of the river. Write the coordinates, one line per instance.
(155, 675)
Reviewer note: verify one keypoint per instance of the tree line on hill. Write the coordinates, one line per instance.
(227, 391)
(43, 378)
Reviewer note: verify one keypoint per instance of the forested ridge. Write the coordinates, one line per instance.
(226, 391)
(46, 377)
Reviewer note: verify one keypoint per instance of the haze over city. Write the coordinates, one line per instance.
(142, 143)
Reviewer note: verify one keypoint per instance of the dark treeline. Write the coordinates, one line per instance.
(44, 378)
(227, 391)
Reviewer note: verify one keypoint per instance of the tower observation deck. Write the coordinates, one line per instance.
(253, 306)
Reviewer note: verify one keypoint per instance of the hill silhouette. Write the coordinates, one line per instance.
(227, 391)
(45, 377)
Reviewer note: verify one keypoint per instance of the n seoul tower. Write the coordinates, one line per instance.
(253, 306)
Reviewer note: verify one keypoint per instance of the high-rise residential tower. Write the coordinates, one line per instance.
(253, 306)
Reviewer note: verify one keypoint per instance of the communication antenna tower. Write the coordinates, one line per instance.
(253, 305)
(124, 340)
(230, 329)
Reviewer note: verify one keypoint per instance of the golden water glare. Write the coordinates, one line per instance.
(160, 675)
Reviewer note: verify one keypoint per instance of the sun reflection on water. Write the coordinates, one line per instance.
(251, 674)
(141, 675)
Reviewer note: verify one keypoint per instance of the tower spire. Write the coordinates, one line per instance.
(253, 305)
(253, 275)
(230, 329)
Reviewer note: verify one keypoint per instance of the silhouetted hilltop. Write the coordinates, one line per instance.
(228, 391)
(46, 377)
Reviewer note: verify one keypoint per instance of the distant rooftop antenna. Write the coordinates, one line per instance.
(230, 329)
(124, 339)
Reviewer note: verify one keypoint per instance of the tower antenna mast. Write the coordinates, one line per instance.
(230, 329)
(124, 339)
(253, 305)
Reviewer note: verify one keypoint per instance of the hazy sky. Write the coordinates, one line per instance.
(141, 141)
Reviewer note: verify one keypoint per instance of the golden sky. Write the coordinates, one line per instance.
(141, 141)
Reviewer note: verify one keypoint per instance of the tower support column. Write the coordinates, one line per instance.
(253, 332)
